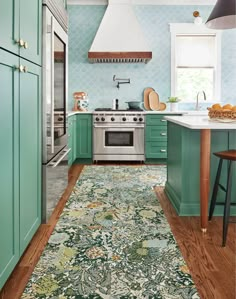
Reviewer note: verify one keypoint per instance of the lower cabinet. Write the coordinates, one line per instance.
(72, 139)
(156, 137)
(84, 136)
(20, 158)
(80, 138)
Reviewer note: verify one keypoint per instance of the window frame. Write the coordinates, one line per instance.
(193, 29)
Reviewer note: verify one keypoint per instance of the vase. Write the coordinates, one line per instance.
(174, 106)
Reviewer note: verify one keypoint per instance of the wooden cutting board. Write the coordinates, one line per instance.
(154, 101)
(146, 97)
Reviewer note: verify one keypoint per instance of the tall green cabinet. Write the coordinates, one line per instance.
(20, 28)
(20, 112)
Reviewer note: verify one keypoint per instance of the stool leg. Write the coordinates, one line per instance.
(215, 190)
(227, 204)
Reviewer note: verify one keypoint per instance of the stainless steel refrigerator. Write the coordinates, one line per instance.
(55, 74)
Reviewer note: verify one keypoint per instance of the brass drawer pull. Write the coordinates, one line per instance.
(163, 120)
(163, 151)
(163, 134)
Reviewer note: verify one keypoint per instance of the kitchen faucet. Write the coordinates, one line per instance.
(124, 81)
(204, 97)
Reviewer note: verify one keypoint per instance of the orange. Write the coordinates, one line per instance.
(216, 106)
(227, 106)
(234, 108)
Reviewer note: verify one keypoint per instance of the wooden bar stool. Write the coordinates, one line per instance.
(229, 156)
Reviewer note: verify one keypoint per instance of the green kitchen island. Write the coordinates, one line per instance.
(191, 165)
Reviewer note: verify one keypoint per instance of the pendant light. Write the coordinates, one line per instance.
(223, 15)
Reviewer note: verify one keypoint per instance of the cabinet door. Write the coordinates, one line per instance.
(9, 201)
(156, 150)
(30, 152)
(9, 25)
(30, 29)
(84, 136)
(156, 133)
(72, 139)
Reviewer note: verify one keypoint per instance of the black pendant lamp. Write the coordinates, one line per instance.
(223, 15)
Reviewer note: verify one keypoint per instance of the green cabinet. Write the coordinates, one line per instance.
(156, 137)
(183, 168)
(84, 136)
(9, 156)
(72, 139)
(29, 152)
(20, 28)
(20, 157)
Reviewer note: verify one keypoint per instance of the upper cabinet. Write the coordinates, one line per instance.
(20, 28)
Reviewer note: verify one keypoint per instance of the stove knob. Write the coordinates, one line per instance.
(97, 118)
(135, 119)
(140, 119)
(112, 119)
(124, 118)
(60, 118)
(103, 118)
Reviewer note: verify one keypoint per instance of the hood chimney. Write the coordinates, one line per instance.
(119, 37)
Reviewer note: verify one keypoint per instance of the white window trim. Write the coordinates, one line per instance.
(191, 28)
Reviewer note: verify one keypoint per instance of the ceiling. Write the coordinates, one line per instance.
(145, 2)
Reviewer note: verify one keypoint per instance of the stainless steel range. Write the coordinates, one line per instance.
(118, 135)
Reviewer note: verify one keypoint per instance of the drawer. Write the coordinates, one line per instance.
(156, 120)
(156, 133)
(156, 150)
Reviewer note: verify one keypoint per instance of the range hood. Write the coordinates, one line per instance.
(119, 37)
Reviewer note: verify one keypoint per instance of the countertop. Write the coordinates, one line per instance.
(200, 122)
(182, 112)
(70, 113)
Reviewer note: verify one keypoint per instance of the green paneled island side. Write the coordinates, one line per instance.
(191, 165)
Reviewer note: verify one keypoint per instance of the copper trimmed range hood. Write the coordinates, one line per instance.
(119, 37)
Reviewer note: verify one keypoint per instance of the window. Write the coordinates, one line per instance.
(195, 62)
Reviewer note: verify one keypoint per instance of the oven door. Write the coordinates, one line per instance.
(118, 141)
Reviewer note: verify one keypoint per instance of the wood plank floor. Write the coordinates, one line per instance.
(212, 267)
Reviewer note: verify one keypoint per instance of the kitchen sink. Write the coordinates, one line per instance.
(195, 112)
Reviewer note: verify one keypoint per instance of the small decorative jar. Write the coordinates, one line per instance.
(81, 101)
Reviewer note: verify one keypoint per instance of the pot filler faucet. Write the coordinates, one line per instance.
(204, 97)
(123, 81)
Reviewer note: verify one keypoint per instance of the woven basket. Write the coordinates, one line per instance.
(221, 114)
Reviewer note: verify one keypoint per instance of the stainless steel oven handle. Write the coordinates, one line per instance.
(55, 163)
(52, 85)
(120, 128)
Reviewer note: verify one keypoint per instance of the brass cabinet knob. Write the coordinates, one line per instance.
(20, 68)
(20, 42)
(25, 45)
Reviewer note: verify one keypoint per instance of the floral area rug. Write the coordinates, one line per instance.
(112, 241)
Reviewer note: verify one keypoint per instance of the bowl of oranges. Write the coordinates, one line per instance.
(223, 113)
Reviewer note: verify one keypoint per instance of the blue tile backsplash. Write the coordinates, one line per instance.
(97, 79)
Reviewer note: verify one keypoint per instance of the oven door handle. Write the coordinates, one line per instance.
(123, 128)
(64, 153)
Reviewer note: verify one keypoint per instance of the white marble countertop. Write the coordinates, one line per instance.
(70, 113)
(182, 112)
(201, 122)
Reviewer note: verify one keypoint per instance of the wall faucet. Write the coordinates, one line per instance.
(204, 97)
(124, 81)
